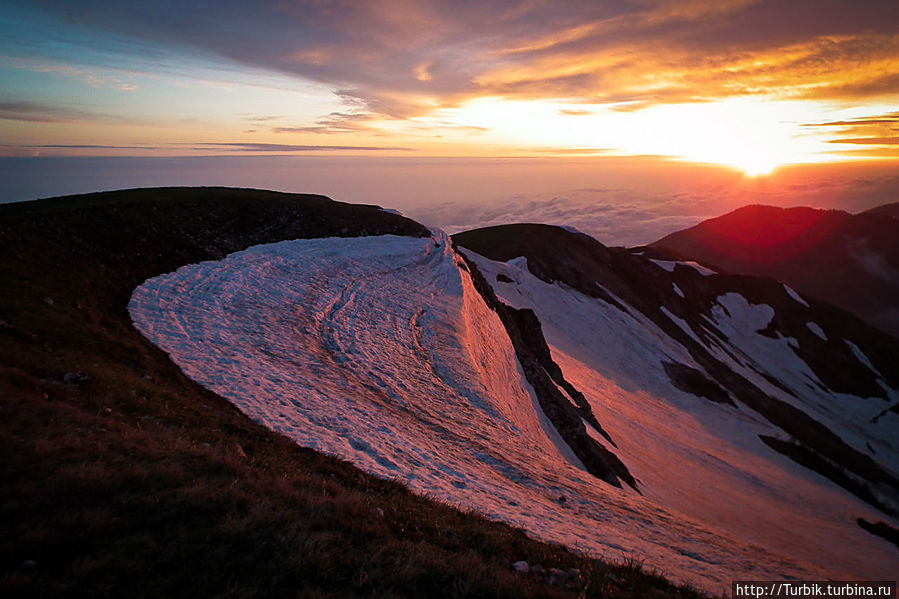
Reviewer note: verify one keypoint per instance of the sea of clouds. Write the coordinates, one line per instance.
(619, 201)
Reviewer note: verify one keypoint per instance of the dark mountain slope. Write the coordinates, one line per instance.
(850, 261)
(553, 253)
(121, 477)
(886, 210)
(665, 291)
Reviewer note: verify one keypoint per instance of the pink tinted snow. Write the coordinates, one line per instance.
(379, 350)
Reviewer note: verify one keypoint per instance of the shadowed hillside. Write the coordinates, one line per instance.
(886, 209)
(849, 260)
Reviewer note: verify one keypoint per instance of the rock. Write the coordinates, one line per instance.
(612, 576)
(379, 512)
(557, 577)
(522, 566)
(48, 301)
(27, 570)
(450, 533)
(75, 378)
(538, 569)
(28, 564)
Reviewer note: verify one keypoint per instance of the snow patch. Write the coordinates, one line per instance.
(860, 355)
(381, 352)
(670, 265)
(849, 416)
(520, 262)
(678, 291)
(680, 322)
(792, 293)
(816, 329)
(739, 310)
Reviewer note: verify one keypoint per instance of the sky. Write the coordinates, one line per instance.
(750, 85)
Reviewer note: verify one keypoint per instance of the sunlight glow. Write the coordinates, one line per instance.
(754, 135)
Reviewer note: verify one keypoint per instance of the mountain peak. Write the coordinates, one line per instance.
(849, 260)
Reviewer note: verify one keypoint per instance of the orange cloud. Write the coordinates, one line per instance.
(393, 64)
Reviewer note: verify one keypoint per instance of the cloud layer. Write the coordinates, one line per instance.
(401, 57)
(606, 197)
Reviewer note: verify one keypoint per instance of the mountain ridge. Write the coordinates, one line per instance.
(886, 209)
(664, 307)
(675, 280)
(849, 260)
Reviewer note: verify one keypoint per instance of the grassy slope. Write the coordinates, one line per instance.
(126, 478)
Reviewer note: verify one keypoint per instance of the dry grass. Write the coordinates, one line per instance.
(120, 477)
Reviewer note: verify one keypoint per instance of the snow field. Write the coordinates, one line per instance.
(380, 351)
(705, 460)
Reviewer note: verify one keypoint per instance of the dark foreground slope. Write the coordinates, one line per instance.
(851, 261)
(121, 477)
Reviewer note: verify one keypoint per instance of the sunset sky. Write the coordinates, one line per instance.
(744, 83)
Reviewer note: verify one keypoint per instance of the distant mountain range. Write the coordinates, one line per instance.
(849, 260)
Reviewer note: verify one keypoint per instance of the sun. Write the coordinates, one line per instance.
(756, 166)
(753, 159)
(753, 137)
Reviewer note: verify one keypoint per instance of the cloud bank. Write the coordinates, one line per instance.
(401, 58)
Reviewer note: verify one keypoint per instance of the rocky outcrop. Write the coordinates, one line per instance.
(546, 378)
